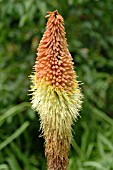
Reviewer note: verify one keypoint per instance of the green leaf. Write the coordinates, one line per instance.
(106, 141)
(3, 167)
(17, 133)
(14, 110)
(93, 164)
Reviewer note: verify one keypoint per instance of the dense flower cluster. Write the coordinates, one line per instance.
(56, 94)
(54, 62)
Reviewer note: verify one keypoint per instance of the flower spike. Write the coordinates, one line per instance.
(56, 94)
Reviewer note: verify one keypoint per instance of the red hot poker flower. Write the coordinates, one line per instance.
(56, 94)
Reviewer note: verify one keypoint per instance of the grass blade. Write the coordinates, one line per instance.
(14, 135)
(3, 167)
(13, 111)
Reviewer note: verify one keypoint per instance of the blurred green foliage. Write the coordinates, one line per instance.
(90, 37)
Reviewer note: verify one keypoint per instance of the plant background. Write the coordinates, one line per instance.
(89, 28)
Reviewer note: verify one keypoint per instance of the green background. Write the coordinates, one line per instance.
(89, 28)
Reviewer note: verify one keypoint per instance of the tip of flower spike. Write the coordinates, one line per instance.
(55, 13)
